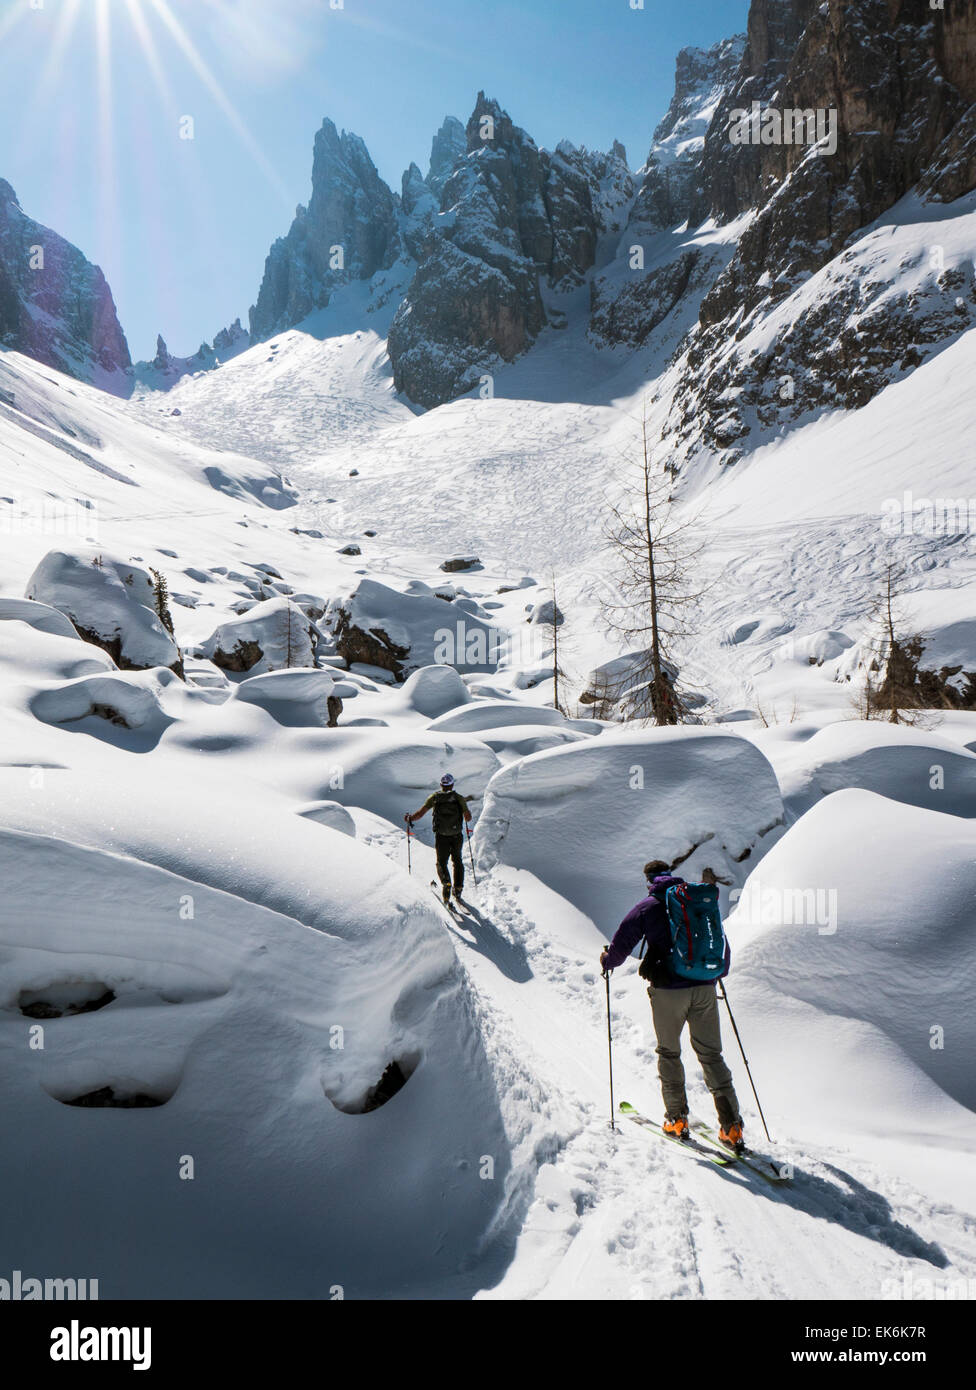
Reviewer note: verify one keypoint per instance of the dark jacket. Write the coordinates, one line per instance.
(650, 921)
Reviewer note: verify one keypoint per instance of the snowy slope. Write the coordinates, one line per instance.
(229, 790)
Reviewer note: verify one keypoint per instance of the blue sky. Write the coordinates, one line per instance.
(92, 93)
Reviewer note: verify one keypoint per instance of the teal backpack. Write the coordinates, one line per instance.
(697, 934)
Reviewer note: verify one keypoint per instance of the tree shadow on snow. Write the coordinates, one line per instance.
(509, 957)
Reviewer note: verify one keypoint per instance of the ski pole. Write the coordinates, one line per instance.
(606, 976)
(409, 837)
(471, 854)
(745, 1059)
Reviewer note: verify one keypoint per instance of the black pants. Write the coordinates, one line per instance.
(450, 847)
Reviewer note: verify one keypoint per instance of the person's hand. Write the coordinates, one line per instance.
(603, 961)
(408, 818)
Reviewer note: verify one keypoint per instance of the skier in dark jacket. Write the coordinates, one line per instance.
(675, 1002)
(450, 810)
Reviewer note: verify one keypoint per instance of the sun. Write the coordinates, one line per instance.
(156, 27)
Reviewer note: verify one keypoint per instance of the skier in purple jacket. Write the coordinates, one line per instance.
(675, 1002)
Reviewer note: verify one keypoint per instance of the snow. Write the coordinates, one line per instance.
(910, 765)
(228, 795)
(192, 999)
(666, 794)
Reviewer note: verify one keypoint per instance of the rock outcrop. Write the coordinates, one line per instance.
(55, 306)
(511, 218)
(895, 83)
(112, 603)
(347, 232)
(673, 188)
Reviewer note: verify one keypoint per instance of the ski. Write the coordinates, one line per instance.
(456, 909)
(435, 888)
(690, 1145)
(765, 1167)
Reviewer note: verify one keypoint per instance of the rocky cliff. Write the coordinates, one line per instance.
(511, 219)
(896, 81)
(55, 306)
(347, 232)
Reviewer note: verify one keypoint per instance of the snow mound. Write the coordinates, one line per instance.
(132, 702)
(271, 636)
(330, 814)
(295, 698)
(330, 1055)
(433, 690)
(521, 740)
(586, 818)
(111, 603)
(494, 714)
(864, 909)
(389, 773)
(31, 653)
(38, 615)
(946, 620)
(905, 764)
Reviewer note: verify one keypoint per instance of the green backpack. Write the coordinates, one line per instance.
(448, 813)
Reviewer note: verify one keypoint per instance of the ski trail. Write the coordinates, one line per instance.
(618, 1214)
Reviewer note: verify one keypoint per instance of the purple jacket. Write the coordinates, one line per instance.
(650, 921)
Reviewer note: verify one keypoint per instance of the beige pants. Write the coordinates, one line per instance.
(698, 1007)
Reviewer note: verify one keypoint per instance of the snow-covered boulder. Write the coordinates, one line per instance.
(620, 682)
(547, 613)
(375, 625)
(128, 700)
(330, 814)
(37, 615)
(586, 818)
(295, 698)
(31, 654)
(906, 764)
(495, 714)
(112, 604)
(864, 910)
(271, 636)
(433, 690)
(520, 740)
(303, 1031)
(389, 773)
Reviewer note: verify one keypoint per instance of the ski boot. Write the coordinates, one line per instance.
(457, 897)
(677, 1128)
(731, 1136)
(446, 894)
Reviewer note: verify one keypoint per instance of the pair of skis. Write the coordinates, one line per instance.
(705, 1144)
(455, 906)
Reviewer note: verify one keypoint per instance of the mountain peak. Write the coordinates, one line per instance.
(347, 232)
(56, 306)
(448, 146)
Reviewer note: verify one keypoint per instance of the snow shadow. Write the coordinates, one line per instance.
(853, 1206)
(508, 957)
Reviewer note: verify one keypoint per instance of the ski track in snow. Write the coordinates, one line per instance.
(617, 1215)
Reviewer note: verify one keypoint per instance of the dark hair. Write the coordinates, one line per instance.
(653, 867)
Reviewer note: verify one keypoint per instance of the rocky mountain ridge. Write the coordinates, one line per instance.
(55, 306)
(708, 252)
